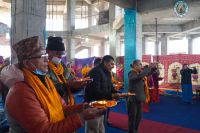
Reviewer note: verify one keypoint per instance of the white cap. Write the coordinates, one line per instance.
(10, 75)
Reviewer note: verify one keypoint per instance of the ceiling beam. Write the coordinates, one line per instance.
(195, 35)
(80, 32)
(96, 38)
(79, 14)
(151, 5)
(88, 2)
(81, 3)
(80, 47)
(61, 2)
(91, 30)
(131, 4)
(151, 28)
(55, 13)
(191, 26)
(59, 33)
(9, 1)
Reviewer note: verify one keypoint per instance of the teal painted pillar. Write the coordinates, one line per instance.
(129, 41)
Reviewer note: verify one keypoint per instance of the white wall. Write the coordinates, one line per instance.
(82, 54)
(196, 46)
(5, 17)
(54, 23)
(5, 51)
(177, 46)
(150, 48)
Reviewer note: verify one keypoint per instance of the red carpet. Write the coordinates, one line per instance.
(147, 126)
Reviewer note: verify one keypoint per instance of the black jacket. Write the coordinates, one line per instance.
(186, 75)
(101, 88)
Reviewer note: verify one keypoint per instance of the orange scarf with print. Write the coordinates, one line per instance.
(47, 96)
(59, 73)
(146, 88)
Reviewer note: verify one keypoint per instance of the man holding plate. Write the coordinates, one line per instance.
(100, 89)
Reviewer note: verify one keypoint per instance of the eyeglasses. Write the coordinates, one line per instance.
(44, 56)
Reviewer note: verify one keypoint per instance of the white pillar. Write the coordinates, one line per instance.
(28, 19)
(92, 51)
(118, 45)
(102, 49)
(164, 42)
(71, 5)
(190, 45)
(112, 32)
(144, 44)
(89, 52)
(89, 15)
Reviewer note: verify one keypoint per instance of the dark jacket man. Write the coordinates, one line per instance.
(101, 87)
(186, 75)
(186, 83)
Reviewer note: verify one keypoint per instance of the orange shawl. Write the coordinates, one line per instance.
(85, 70)
(146, 89)
(59, 73)
(47, 96)
(112, 78)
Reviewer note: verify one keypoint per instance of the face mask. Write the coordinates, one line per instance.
(56, 60)
(38, 71)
